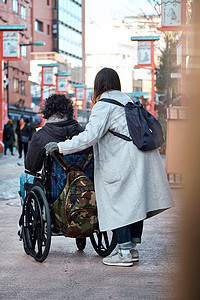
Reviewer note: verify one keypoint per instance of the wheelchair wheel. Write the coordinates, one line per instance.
(81, 243)
(103, 242)
(36, 224)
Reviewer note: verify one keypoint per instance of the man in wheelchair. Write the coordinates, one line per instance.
(58, 112)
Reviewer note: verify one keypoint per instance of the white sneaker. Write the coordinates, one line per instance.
(135, 255)
(118, 260)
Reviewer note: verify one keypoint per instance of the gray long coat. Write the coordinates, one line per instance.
(130, 185)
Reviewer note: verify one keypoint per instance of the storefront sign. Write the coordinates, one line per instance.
(10, 44)
(171, 13)
(175, 75)
(144, 53)
(80, 93)
(47, 75)
(62, 83)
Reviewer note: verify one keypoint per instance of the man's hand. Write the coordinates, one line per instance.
(51, 147)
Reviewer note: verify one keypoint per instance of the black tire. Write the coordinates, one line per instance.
(26, 249)
(36, 224)
(103, 242)
(81, 243)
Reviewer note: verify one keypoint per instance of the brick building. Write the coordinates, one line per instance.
(61, 25)
(58, 23)
(16, 73)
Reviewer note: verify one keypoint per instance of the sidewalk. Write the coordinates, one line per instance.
(11, 168)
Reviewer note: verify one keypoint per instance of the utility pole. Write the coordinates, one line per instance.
(167, 71)
(8, 88)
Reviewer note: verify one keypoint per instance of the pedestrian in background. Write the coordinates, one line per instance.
(23, 136)
(130, 185)
(8, 136)
(29, 127)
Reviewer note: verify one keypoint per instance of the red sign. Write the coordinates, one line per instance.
(173, 15)
(11, 48)
(47, 76)
(144, 53)
(61, 83)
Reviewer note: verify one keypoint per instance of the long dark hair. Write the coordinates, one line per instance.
(106, 79)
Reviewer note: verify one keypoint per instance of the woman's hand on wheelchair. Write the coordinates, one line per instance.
(51, 147)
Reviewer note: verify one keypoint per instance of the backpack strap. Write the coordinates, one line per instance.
(60, 160)
(122, 136)
(112, 101)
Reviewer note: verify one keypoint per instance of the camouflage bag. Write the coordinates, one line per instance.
(75, 212)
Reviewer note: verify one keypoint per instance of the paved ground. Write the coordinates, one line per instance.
(70, 274)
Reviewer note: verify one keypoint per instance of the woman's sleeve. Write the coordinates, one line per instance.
(98, 125)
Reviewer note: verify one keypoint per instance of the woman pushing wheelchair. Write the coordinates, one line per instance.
(130, 184)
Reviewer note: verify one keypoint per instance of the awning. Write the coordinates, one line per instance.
(139, 94)
(32, 118)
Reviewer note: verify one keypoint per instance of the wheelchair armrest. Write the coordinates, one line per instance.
(35, 174)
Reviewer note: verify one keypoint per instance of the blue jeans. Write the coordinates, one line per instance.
(129, 234)
(29, 179)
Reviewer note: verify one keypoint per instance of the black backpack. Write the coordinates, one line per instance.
(145, 131)
(7, 133)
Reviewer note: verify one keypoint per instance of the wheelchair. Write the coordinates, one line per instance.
(37, 227)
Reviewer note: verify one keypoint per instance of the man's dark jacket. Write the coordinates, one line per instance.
(51, 132)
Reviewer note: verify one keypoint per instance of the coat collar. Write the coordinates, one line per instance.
(116, 95)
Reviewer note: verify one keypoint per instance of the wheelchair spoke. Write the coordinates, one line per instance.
(32, 211)
(106, 239)
(39, 240)
(99, 240)
(44, 240)
(37, 212)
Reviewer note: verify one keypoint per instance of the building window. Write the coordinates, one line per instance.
(48, 2)
(23, 87)
(21, 103)
(38, 26)
(4, 1)
(23, 51)
(15, 5)
(23, 12)
(48, 29)
(15, 85)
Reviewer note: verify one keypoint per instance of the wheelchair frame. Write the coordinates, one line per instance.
(37, 227)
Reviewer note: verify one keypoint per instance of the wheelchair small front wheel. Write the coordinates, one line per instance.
(36, 224)
(81, 243)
